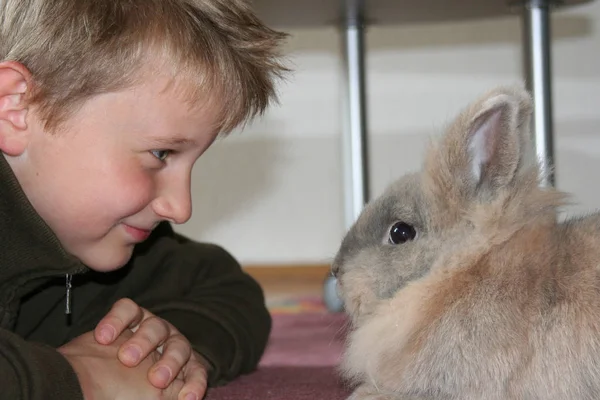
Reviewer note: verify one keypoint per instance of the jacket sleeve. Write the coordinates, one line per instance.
(34, 371)
(199, 288)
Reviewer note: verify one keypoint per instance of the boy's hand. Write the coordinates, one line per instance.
(103, 377)
(154, 333)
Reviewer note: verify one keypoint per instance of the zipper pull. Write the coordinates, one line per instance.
(69, 277)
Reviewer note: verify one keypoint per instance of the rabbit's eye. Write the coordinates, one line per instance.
(401, 232)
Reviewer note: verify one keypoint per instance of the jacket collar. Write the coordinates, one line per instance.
(29, 249)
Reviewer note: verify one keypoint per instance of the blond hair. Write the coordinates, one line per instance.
(75, 49)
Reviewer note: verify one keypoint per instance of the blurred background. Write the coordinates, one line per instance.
(272, 193)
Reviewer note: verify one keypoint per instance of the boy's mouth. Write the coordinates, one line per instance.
(138, 234)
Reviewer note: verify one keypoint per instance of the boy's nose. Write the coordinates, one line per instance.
(175, 205)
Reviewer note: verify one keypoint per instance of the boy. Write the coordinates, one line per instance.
(105, 105)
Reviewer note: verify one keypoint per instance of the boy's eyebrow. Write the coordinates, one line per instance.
(173, 141)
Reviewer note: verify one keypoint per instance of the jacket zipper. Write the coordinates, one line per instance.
(68, 286)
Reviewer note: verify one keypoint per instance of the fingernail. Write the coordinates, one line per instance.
(107, 333)
(164, 374)
(132, 353)
(191, 396)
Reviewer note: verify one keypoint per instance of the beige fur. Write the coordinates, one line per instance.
(495, 298)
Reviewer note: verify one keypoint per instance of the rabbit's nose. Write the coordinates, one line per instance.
(335, 269)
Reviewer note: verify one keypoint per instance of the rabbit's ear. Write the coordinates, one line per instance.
(486, 144)
(496, 139)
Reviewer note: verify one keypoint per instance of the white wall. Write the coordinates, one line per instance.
(273, 193)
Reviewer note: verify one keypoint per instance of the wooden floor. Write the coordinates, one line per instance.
(292, 280)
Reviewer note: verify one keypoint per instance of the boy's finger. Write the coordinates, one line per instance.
(176, 354)
(151, 333)
(195, 378)
(124, 314)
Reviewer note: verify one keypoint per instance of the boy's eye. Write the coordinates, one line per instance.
(160, 154)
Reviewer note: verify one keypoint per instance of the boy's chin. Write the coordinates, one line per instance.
(106, 262)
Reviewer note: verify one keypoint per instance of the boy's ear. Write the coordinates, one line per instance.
(486, 144)
(14, 84)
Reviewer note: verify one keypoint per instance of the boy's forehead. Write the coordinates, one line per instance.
(183, 89)
(154, 109)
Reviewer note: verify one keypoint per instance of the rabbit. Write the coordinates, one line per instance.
(461, 282)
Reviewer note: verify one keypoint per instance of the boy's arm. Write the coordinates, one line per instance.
(199, 288)
(33, 371)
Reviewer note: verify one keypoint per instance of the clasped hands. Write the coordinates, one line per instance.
(133, 354)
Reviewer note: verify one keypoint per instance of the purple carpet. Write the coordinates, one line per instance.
(299, 363)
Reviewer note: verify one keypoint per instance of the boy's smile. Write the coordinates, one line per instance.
(136, 233)
(116, 168)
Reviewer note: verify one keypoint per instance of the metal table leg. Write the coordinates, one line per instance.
(538, 76)
(355, 149)
(356, 177)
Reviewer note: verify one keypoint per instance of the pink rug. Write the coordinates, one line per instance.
(299, 363)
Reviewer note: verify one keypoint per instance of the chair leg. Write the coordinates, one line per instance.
(538, 74)
(354, 137)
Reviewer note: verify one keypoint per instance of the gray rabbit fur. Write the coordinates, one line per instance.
(461, 281)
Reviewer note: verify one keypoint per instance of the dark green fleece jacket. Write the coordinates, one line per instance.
(197, 287)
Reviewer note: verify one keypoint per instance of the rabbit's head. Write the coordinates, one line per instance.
(479, 183)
